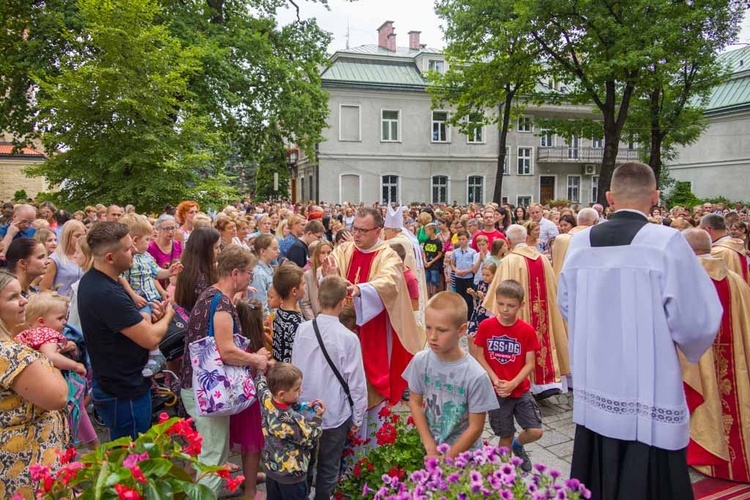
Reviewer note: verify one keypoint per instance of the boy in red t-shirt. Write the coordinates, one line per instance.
(505, 348)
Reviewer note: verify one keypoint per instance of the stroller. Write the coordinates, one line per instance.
(166, 389)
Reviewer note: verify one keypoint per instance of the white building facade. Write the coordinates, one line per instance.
(386, 143)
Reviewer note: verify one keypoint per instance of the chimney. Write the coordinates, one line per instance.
(414, 40)
(392, 42)
(384, 32)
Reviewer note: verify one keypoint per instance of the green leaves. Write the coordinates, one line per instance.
(150, 101)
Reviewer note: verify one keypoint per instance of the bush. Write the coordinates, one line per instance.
(682, 196)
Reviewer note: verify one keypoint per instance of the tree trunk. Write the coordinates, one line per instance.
(505, 109)
(611, 147)
(657, 137)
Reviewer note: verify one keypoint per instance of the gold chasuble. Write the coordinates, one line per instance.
(560, 245)
(718, 387)
(732, 252)
(384, 361)
(534, 272)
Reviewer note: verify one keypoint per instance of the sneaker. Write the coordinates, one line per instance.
(520, 452)
(154, 365)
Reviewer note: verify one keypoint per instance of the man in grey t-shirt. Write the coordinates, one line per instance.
(451, 391)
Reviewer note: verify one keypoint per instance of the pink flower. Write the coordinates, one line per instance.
(131, 460)
(67, 455)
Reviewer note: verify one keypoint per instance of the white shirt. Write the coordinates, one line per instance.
(547, 230)
(319, 382)
(627, 308)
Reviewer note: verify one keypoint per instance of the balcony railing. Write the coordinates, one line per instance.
(567, 154)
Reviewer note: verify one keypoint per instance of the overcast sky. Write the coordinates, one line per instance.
(365, 16)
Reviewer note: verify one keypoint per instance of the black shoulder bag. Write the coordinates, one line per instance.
(343, 383)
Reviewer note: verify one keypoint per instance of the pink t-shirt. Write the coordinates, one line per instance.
(164, 260)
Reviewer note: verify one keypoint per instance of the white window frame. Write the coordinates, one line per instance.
(545, 133)
(398, 188)
(436, 62)
(569, 187)
(469, 186)
(434, 122)
(341, 190)
(530, 158)
(447, 188)
(527, 121)
(506, 165)
(359, 114)
(518, 199)
(574, 148)
(594, 188)
(398, 125)
(482, 133)
(597, 143)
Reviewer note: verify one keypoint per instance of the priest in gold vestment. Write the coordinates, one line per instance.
(530, 268)
(387, 327)
(718, 387)
(587, 217)
(723, 246)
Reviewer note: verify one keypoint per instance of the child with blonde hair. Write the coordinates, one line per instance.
(140, 281)
(46, 314)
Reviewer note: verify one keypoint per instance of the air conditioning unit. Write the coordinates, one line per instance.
(589, 169)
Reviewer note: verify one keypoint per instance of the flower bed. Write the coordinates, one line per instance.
(149, 467)
(397, 469)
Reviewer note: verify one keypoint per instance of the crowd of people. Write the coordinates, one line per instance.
(640, 311)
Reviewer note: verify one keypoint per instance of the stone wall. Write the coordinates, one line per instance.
(13, 178)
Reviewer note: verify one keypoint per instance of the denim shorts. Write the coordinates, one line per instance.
(433, 276)
(123, 417)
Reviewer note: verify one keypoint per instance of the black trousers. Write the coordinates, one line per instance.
(326, 460)
(614, 469)
(463, 284)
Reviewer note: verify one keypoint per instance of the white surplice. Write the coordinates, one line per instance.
(627, 308)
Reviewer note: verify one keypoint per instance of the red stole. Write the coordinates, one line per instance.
(544, 371)
(723, 350)
(743, 265)
(383, 375)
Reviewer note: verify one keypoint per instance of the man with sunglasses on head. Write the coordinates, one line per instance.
(388, 330)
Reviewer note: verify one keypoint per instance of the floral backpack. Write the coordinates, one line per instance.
(220, 390)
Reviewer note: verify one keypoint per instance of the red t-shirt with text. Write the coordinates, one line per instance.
(505, 349)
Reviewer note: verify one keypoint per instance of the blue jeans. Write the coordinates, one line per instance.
(123, 417)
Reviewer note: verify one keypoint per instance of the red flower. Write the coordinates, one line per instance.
(224, 473)
(386, 434)
(69, 472)
(138, 474)
(396, 472)
(125, 493)
(233, 484)
(410, 420)
(370, 467)
(195, 442)
(67, 455)
(395, 418)
(163, 417)
(384, 412)
(338, 496)
(357, 471)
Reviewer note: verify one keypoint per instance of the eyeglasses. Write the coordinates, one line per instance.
(360, 230)
(168, 229)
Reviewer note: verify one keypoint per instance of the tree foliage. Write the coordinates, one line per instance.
(152, 101)
(491, 63)
(609, 53)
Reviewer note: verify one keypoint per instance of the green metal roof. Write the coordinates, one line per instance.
(363, 72)
(373, 49)
(735, 92)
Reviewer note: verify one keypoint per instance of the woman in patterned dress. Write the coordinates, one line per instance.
(32, 395)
